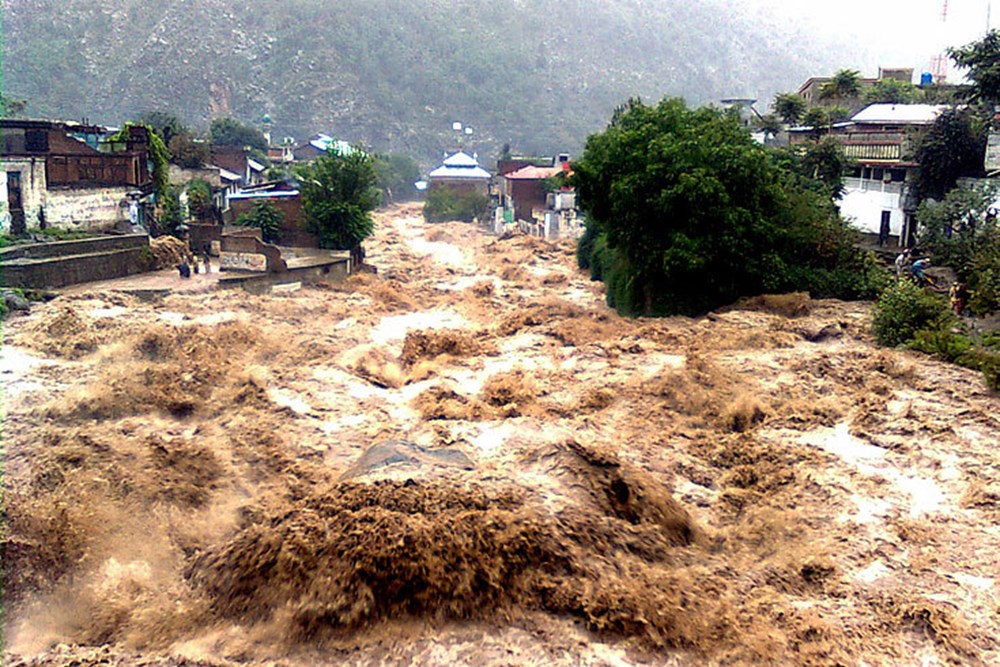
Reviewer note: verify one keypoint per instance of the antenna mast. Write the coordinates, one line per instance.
(939, 64)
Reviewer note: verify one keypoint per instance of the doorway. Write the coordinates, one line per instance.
(15, 203)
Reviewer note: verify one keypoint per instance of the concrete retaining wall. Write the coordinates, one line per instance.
(62, 263)
(54, 272)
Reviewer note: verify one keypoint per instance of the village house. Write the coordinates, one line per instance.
(460, 173)
(880, 140)
(525, 189)
(811, 88)
(318, 145)
(237, 162)
(70, 175)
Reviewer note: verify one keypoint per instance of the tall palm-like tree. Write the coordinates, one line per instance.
(846, 83)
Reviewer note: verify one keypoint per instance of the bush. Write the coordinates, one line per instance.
(903, 310)
(989, 364)
(943, 344)
(585, 246)
(265, 217)
(445, 204)
(984, 280)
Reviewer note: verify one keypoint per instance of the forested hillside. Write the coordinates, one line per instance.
(539, 74)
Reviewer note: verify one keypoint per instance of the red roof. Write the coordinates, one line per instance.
(533, 173)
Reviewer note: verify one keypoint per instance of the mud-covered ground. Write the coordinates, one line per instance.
(469, 459)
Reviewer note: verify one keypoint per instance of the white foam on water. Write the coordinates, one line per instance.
(870, 509)
(287, 399)
(925, 495)
(970, 581)
(395, 327)
(852, 450)
(873, 572)
(113, 311)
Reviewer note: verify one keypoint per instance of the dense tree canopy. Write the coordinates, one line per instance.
(982, 60)
(231, 132)
(397, 173)
(892, 91)
(686, 213)
(953, 147)
(790, 107)
(339, 192)
(164, 123)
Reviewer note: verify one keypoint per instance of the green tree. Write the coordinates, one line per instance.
(816, 118)
(790, 107)
(982, 60)
(845, 84)
(188, 152)
(265, 217)
(231, 132)
(903, 309)
(446, 204)
(200, 202)
(690, 214)
(170, 212)
(954, 146)
(962, 232)
(397, 173)
(820, 166)
(770, 125)
(11, 107)
(164, 123)
(892, 91)
(339, 192)
(837, 113)
(159, 155)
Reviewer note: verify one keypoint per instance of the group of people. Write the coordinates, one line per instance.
(192, 263)
(916, 267)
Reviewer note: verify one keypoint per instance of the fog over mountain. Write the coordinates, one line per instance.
(394, 75)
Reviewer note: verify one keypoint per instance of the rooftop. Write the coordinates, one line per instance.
(913, 114)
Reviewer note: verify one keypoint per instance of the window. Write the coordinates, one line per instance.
(36, 141)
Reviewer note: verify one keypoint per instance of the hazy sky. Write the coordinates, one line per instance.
(898, 33)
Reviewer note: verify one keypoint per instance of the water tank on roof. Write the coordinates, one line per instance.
(926, 79)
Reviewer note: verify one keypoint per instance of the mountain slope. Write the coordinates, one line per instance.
(539, 74)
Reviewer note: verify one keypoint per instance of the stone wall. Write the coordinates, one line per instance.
(86, 208)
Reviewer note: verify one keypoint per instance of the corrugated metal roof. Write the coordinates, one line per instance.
(533, 173)
(325, 143)
(913, 114)
(268, 194)
(460, 159)
(227, 175)
(475, 173)
(460, 166)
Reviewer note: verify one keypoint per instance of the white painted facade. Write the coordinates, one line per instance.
(87, 208)
(33, 189)
(66, 208)
(864, 201)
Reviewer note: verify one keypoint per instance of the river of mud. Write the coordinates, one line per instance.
(467, 458)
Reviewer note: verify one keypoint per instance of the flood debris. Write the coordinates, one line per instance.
(468, 445)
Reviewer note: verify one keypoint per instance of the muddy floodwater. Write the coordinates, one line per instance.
(468, 459)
